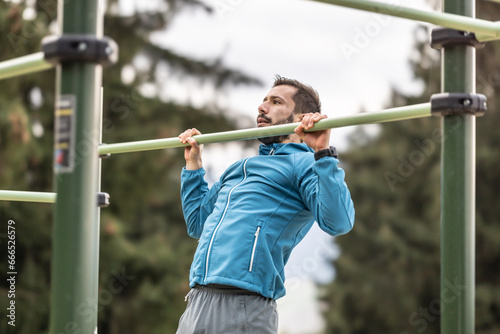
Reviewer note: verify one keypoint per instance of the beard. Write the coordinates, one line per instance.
(277, 139)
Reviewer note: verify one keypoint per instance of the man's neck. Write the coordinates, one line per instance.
(293, 138)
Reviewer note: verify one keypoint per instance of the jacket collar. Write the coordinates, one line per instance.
(289, 148)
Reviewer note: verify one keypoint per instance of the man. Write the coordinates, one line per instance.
(249, 221)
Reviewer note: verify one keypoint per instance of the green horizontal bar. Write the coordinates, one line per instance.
(27, 196)
(394, 114)
(484, 30)
(24, 65)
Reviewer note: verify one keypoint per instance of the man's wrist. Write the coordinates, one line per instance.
(317, 149)
(193, 165)
(328, 152)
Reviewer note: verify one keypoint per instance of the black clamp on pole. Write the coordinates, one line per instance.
(442, 37)
(80, 48)
(102, 200)
(447, 104)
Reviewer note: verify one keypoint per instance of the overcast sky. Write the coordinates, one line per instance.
(352, 58)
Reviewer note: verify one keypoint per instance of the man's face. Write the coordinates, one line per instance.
(277, 108)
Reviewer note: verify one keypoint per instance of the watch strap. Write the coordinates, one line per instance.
(328, 152)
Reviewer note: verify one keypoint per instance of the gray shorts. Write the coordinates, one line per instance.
(228, 311)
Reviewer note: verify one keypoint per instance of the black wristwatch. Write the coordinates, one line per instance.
(329, 152)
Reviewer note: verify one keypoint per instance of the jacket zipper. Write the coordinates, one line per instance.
(222, 218)
(254, 247)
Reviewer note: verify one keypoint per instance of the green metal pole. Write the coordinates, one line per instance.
(75, 230)
(458, 188)
(393, 114)
(24, 65)
(484, 30)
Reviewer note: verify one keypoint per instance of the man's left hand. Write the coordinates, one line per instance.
(317, 140)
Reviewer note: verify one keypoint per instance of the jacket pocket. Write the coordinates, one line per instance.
(256, 238)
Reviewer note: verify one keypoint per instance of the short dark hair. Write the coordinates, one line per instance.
(306, 99)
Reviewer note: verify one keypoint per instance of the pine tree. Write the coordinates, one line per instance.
(388, 275)
(144, 249)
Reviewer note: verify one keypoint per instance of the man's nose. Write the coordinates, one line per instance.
(263, 108)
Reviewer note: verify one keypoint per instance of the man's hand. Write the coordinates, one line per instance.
(317, 140)
(192, 153)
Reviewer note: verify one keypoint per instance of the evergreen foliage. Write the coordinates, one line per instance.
(388, 275)
(145, 252)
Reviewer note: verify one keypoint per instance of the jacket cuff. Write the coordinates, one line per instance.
(190, 171)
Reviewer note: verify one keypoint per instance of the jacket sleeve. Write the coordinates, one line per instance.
(325, 193)
(197, 199)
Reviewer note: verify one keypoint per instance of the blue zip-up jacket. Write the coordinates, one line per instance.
(249, 221)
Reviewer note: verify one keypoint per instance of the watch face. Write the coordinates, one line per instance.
(334, 151)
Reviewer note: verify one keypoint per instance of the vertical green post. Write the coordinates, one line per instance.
(458, 188)
(75, 230)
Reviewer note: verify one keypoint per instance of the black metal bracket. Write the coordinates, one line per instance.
(442, 37)
(80, 48)
(447, 104)
(102, 200)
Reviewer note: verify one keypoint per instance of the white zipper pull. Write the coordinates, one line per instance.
(254, 247)
(272, 151)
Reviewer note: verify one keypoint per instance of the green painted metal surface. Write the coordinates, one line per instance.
(76, 223)
(27, 196)
(458, 189)
(75, 231)
(24, 65)
(484, 30)
(393, 114)
(389, 115)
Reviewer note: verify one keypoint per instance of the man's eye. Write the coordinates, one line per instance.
(276, 102)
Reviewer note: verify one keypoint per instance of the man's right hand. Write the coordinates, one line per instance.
(192, 153)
